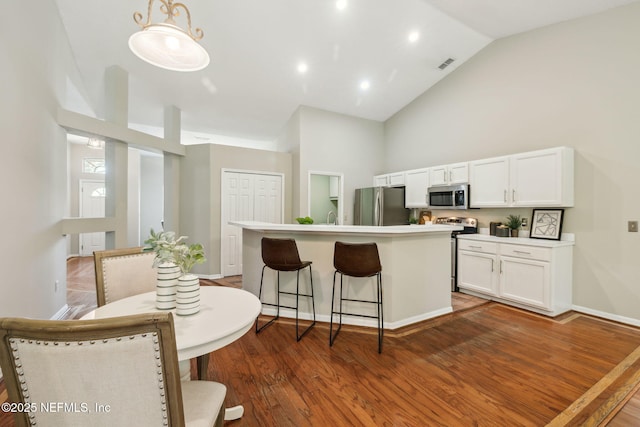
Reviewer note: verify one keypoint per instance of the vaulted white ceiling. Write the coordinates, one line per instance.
(252, 85)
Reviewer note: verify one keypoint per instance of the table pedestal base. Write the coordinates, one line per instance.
(234, 413)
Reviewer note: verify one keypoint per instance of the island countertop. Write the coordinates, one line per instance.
(346, 229)
(416, 269)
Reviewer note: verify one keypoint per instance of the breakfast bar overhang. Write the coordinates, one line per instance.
(416, 266)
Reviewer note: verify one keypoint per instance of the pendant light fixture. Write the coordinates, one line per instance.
(95, 143)
(165, 44)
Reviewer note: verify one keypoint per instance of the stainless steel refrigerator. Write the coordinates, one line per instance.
(380, 206)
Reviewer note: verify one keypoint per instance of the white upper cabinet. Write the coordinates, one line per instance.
(456, 173)
(334, 187)
(416, 183)
(389, 179)
(542, 178)
(489, 182)
(380, 180)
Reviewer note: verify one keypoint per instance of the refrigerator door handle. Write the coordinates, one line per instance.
(377, 216)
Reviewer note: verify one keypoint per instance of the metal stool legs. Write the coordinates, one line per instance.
(296, 307)
(378, 303)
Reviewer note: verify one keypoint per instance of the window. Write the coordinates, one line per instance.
(99, 192)
(93, 166)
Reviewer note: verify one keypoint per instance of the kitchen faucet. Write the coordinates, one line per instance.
(335, 218)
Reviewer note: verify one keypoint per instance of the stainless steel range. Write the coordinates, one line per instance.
(470, 227)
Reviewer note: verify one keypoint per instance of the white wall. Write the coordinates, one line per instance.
(574, 84)
(33, 153)
(200, 192)
(151, 194)
(342, 144)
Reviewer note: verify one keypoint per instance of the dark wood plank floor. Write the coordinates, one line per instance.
(485, 364)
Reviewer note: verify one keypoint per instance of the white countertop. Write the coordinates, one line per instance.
(517, 240)
(346, 229)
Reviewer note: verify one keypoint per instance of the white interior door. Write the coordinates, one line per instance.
(92, 197)
(246, 197)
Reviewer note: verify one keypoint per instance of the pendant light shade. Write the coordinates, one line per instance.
(166, 45)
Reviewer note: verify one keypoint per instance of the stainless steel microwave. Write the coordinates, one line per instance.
(449, 197)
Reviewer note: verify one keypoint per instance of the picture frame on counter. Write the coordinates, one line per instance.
(546, 224)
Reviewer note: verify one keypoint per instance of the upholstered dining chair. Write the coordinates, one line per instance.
(119, 371)
(121, 273)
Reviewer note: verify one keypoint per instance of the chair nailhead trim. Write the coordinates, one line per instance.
(15, 342)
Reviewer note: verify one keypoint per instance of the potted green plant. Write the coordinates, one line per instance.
(413, 220)
(187, 256)
(164, 244)
(514, 222)
(173, 253)
(188, 291)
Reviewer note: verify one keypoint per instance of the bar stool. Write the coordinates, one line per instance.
(282, 255)
(357, 260)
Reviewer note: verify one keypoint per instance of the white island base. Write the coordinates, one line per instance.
(416, 262)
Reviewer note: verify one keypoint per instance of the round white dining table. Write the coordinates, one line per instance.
(225, 315)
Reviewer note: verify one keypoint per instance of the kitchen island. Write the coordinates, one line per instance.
(416, 266)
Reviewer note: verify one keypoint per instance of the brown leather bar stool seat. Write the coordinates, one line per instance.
(357, 260)
(282, 255)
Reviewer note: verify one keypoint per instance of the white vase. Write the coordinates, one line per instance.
(188, 295)
(166, 286)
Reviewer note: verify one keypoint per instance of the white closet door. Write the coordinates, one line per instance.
(246, 197)
(268, 198)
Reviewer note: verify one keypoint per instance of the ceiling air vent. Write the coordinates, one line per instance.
(446, 63)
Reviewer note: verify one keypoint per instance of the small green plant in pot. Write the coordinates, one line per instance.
(164, 244)
(514, 222)
(188, 256)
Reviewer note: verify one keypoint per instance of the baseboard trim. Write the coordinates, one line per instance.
(609, 316)
(357, 321)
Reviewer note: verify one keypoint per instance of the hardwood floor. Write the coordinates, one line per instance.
(486, 364)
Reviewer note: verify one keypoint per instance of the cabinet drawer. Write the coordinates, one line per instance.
(476, 246)
(527, 252)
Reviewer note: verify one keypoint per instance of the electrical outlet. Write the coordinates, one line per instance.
(632, 226)
(525, 222)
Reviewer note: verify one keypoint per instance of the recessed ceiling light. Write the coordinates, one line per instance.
(413, 36)
(303, 67)
(341, 4)
(364, 85)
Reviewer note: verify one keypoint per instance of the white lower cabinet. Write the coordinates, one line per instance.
(477, 267)
(535, 275)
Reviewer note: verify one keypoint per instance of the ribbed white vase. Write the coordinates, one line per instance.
(166, 285)
(188, 295)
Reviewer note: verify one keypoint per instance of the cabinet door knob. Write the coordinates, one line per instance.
(505, 196)
(513, 196)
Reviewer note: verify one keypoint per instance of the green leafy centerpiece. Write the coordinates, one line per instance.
(177, 287)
